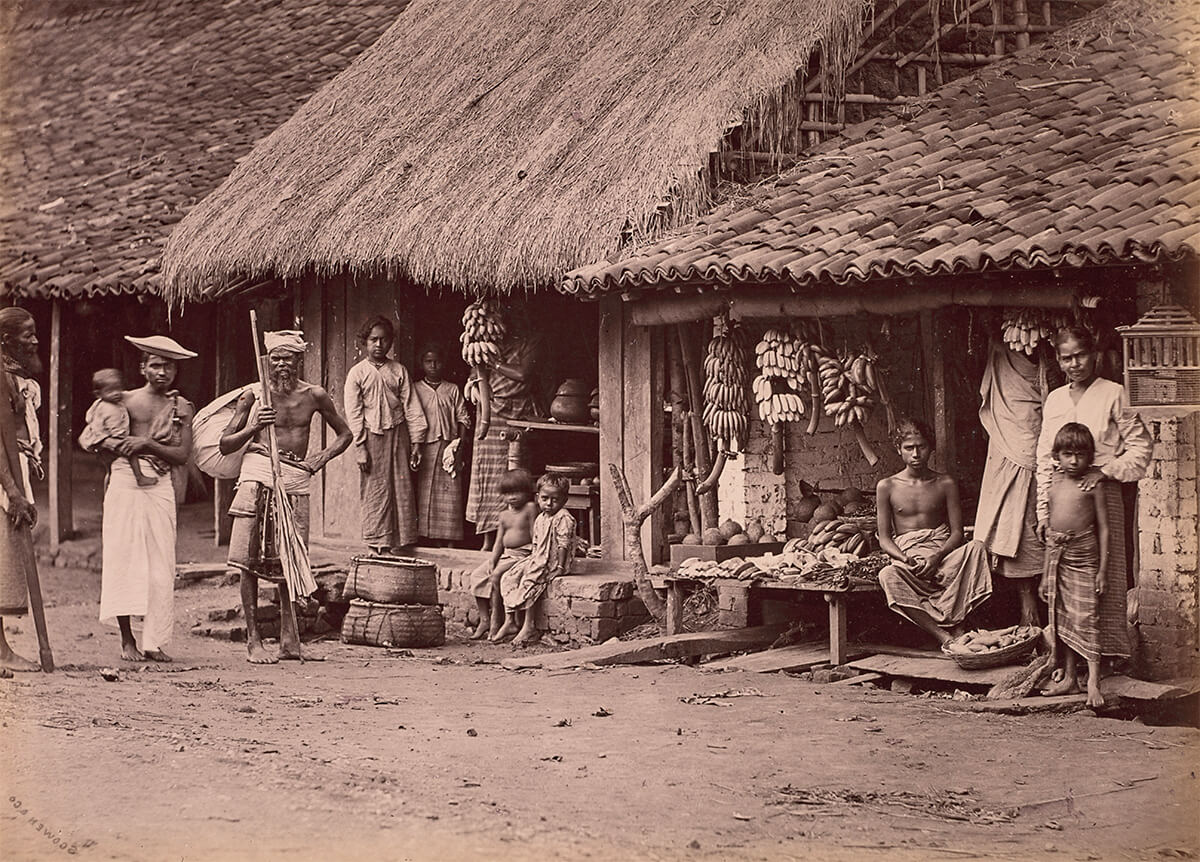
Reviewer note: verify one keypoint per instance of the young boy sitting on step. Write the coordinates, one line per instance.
(513, 544)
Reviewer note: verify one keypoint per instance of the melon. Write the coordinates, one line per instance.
(712, 536)
(806, 507)
(852, 508)
(850, 495)
(827, 512)
(691, 539)
(730, 528)
(769, 538)
(739, 539)
(755, 531)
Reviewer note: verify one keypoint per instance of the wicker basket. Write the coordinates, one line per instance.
(379, 624)
(392, 580)
(1011, 654)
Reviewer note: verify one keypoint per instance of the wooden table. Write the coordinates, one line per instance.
(517, 428)
(679, 587)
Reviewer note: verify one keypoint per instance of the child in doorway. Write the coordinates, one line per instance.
(513, 544)
(936, 578)
(1076, 558)
(524, 585)
(440, 500)
(108, 421)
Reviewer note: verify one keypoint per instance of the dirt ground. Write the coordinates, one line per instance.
(442, 754)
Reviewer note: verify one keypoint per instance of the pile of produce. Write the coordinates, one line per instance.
(984, 641)
(846, 535)
(731, 533)
(726, 397)
(1025, 328)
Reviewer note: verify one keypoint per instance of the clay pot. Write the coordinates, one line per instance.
(570, 402)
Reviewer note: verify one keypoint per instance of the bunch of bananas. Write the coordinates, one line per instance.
(1024, 328)
(849, 387)
(483, 330)
(726, 403)
(783, 361)
(846, 536)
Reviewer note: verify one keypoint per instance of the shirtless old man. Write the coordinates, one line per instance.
(295, 403)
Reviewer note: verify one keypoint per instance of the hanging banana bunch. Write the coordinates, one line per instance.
(726, 402)
(483, 331)
(849, 389)
(781, 377)
(1025, 328)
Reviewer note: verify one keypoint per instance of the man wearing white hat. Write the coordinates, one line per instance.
(138, 534)
(295, 403)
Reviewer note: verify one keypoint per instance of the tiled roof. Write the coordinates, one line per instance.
(117, 120)
(1083, 150)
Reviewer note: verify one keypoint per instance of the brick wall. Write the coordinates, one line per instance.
(1168, 591)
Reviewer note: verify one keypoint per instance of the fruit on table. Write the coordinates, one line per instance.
(691, 539)
(807, 507)
(826, 512)
(755, 531)
(738, 539)
(730, 528)
(712, 536)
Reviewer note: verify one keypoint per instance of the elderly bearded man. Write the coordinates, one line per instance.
(19, 456)
(138, 527)
(295, 403)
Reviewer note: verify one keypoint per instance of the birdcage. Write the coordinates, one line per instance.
(1162, 362)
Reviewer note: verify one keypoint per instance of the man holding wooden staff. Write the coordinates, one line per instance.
(20, 450)
(294, 403)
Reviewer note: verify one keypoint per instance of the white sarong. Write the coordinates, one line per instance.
(138, 550)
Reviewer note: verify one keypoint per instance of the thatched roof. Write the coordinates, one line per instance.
(116, 116)
(1081, 151)
(497, 146)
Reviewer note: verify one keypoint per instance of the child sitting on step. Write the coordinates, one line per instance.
(554, 541)
(513, 538)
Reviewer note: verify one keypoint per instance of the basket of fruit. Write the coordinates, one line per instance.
(982, 649)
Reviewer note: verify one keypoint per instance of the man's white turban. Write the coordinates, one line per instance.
(291, 340)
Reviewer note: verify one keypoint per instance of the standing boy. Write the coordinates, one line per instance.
(439, 486)
(1076, 561)
(936, 579)
(138, 525)
(389, 429)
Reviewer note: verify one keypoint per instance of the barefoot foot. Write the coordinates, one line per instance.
(1094, 697)
(158, 656)
(481, 631)
(14, 662)
(506, 631)
(130, 652)
(1063, 685)
(525, 638)
(257, 654)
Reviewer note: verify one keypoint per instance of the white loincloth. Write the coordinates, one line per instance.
(138, 549)
(256, 467)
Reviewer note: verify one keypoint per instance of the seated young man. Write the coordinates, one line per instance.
(937, 579)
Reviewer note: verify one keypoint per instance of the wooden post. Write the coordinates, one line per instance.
(938, 406)
(612, 422)
(838, 649)
(1021, 20)
(60, 420)
(224, 379)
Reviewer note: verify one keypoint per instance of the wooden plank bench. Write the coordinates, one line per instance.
(679, 587)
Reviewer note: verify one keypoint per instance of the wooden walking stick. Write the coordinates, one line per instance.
(283, 511)
(24, 535)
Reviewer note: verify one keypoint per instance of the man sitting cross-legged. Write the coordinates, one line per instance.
(295, 402)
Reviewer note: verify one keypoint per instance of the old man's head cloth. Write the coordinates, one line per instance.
(288, 340)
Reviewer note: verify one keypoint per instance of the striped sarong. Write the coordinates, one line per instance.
(1113, 623)
(389, 506)
(489, 459)
(439, 496)
(1071, 563)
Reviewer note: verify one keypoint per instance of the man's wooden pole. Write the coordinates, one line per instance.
(25, 555)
